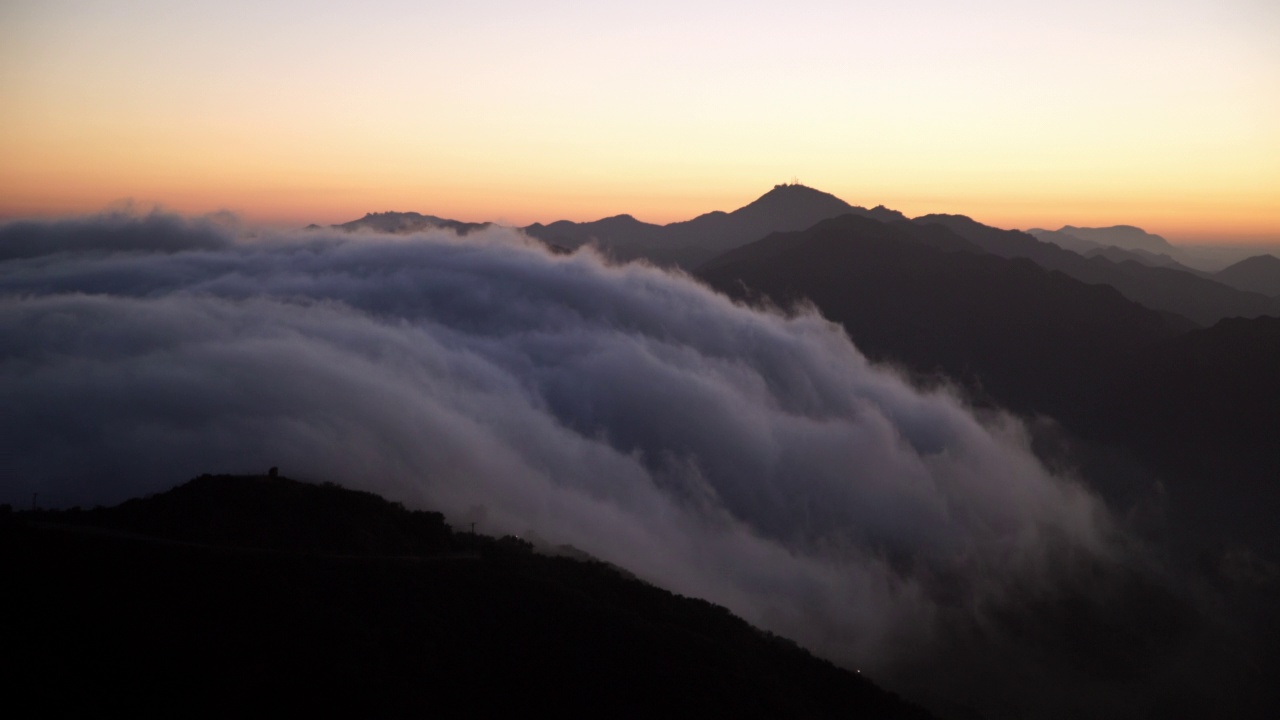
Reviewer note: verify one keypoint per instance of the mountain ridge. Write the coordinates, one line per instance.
(1143, 273)
(1260, 274)
(928, 297)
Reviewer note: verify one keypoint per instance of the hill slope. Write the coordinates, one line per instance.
(1204, 407)
(234, 600)
(922, 296)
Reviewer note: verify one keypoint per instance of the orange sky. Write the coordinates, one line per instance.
(1158, 114)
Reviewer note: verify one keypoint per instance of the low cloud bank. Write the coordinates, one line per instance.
(752, 459)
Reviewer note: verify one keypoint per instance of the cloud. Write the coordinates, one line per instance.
(754, 459)
(112, 232)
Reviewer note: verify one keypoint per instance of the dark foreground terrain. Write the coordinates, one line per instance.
(262, 594)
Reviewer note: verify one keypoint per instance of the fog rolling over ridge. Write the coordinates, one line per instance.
(749, 458)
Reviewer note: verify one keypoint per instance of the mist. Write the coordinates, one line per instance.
(749, 457)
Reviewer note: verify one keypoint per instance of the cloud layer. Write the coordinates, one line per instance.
(749, 458)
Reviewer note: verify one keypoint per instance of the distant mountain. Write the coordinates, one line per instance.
(1260, 274)
(1142, 257)
(1186, 293)
(220, 597)
(685, 244)
(689, 243)
(621, 236)
(1091, 248)
(1126, 237)
(1142, 275)
(922, 296)
(1064, 241)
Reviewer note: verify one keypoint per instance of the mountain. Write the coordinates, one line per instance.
(1174, 428)
(227, 595)
(621, 236)
(407, 222)
(685, 244)
(1143, 275)
(1126, 237)
(1203, 407)
(1064, 241)
(1143, 257)
(922, 296)
(689, 243)
(1259, 274)
(1200, 299)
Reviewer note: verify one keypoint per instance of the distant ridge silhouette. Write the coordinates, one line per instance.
(1192, 295)
(1260, 274)
(690, 243)
(1126, 237)
(1127, 258)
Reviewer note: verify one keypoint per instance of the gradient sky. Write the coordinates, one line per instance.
(1161, 114)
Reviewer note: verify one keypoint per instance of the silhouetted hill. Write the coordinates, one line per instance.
(274, 513)
(1063, 240)
(1119, 255)
(922, 296)
(1259, 274)
(1197, 298)
(226, 596)
(784, 208)
(621, 236)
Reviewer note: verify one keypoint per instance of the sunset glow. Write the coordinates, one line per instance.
(1158, 114)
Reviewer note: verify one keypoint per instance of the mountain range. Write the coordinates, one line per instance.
(1125, 237)
(1042, 322)
(1127, 258)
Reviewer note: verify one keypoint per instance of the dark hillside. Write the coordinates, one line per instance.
(1205, 408)
(274, 513)
(921, 296)
(216, 615)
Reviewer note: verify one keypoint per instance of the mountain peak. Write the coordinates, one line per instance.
(791, 192)
(793, 202)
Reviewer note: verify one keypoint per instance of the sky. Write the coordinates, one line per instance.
(1162, 114)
